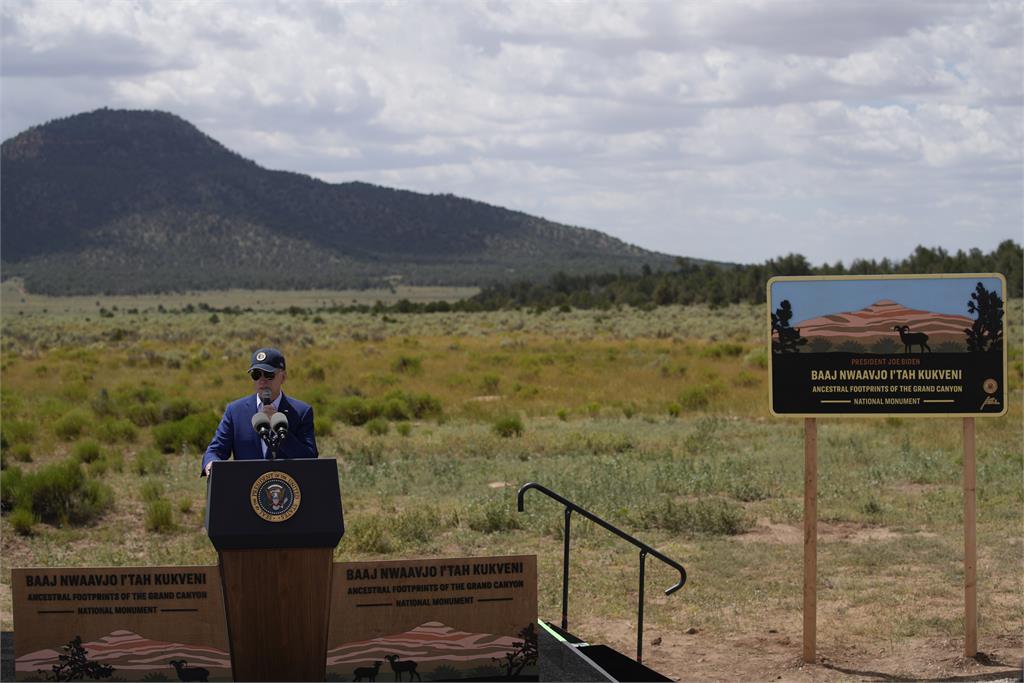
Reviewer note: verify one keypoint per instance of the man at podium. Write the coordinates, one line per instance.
(293, 437)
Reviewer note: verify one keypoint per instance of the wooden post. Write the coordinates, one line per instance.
(810, 538)
(970, 544)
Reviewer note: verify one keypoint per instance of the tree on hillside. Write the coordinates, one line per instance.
(986, 334)
(73, 664)
(785, 339)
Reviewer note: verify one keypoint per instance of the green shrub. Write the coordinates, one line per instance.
(352, 410)
(745, 379)
(368, 535)
(151, 490)
(723, 350)
(417, 525)
(70, 425)
(409, 365)
(697, 396)
(712, 516)
(757, 358)
(508, 426)
(323, 426)
(378, 426)
(144, 414)
(60, 493)
(109, 461)
(193, 431)
(10, 486)
(159, 516)
(403, 429)
(492, 515)
(121, 430)
(394, 408)
(489, 383)
(562, 414)
(23, 521)
(674, 409)
(86, 451)
(150, 461)
(20, 452)
(18, 431)
(184, 505)
(177, 408)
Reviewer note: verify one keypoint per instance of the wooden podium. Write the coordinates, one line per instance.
(275, 524)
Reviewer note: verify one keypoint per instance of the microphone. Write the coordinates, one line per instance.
(261, 423)
(265, 397)
(279, 423)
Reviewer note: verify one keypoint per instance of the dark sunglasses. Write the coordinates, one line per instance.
(256, 373)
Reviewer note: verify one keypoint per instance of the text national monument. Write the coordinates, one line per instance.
(277, 606)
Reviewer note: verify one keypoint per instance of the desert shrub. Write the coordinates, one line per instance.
(71, 424)
(159, 516)
(409, 365)
(745, 379)
(144, 414)
(107, 462)
(711, 516)
(368, 535)
(723, 350)
(593, 409)
(323, 426)
(489, 384)
(86, 451)
(20, 452)
(378, 426)
(757, 358)
(193, 431)
(177, 408)
(18, 431)
(151, 490)
(10, 485)
(184, 505)
(23, 520)
(508, 426)
(352, 410)
(562, 414)
(316, 373)
(116, 430)
(403, 429)
(150, 461)
(492, 515)
(695, 397)
(420, 406)
(417, 525)
(103, 404)
(674, 409)
(394, 408)
(61, 493)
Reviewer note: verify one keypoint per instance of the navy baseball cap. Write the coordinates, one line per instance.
(269, 360)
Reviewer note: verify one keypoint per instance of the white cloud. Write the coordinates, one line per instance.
(736, 130)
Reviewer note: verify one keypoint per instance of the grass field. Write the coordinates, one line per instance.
(655, 420)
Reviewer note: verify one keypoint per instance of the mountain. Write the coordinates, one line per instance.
(138, 201)
(873, 327)
(134, 658)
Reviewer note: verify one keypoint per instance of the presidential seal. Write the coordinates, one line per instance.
(275, 497)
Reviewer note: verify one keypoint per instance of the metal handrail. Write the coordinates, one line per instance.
(645, 550)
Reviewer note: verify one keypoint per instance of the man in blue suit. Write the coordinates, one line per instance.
(235, 434)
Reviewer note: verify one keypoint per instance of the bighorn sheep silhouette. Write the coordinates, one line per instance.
(398, 667)
(189, 673)
(912, 339)
(367, 672)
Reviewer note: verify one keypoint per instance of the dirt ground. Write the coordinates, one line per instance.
(777, 656)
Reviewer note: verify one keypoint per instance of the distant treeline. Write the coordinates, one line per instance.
(717, 285)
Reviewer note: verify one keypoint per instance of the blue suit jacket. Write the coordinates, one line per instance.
(235, 434)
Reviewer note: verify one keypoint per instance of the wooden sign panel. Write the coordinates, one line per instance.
(913, 345)
(140, 623)
(436, 619)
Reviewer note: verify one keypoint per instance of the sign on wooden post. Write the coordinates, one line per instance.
(897, 345)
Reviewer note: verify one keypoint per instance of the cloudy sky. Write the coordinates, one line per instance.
(726, 130)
